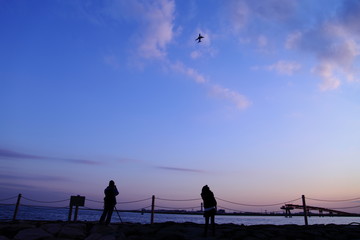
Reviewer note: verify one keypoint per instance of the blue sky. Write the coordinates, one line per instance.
(265, 109)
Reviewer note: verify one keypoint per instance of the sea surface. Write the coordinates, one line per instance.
(54, 214)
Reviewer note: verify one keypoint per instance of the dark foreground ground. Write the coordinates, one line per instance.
(31, 230)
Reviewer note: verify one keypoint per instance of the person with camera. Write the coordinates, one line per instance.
(109, 202)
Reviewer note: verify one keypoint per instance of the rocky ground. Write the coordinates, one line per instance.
(32, 230)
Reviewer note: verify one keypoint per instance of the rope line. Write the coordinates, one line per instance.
(138, 209)
(32, 200)
(35, 206)
(142, 200)
(194, 199)
(345, 200)
(179, 200)
(258, 205)
(124, 210)
(94, 201)
(8, 198)
(176, 208)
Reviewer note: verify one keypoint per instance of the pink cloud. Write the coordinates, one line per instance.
(335, 44)
(284, 67)
(157, 31)
(181, 169)
(190, 72)
(239, 100)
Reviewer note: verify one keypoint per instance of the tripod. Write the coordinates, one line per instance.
(118, 214)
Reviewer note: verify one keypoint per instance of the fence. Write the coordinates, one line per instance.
(285, 205)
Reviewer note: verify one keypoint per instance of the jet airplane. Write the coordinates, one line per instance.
(199, 38)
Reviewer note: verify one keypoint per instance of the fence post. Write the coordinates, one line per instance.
(17, 207)
(70, 211)
(152, 209)
(305, 210)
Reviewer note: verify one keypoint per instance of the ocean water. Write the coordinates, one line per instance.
(54, 214)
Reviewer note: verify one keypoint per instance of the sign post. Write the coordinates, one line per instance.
(77, 201)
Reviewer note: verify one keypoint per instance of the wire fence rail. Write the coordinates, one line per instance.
(152, 208)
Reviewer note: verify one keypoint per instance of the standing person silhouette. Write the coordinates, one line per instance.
(109, 202)
(209, 208)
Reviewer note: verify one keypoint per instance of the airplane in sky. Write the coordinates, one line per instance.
(199, 38)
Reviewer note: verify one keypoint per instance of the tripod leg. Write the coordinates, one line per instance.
(118, 214)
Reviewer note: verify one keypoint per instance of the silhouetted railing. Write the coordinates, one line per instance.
(162, 207)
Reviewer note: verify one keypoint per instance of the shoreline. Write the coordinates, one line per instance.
(31, 230)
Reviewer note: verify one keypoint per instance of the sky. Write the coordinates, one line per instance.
(264, 110)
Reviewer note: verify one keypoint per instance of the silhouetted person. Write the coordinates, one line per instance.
(209, 208)
(109, 202)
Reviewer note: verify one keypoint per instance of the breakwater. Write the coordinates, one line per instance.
(32, 230)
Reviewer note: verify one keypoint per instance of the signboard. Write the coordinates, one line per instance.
(78, 201)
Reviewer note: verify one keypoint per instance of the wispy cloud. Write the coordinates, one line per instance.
(189, 72)
(159, 18)
(281, 67)
(333, 40)
(80, 161)
(10, 154)
(240, 101)
(181, 169)
(335, 51)
(335, 44)
(284, 67)
(216, 90)
(242, 12)
(238, 13)
(14, 185)
(278, 10)
(32, 178)
(157, 31)
(154, 28)
(326, 72)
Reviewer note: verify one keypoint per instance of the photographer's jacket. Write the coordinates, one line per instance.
(110, 195)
